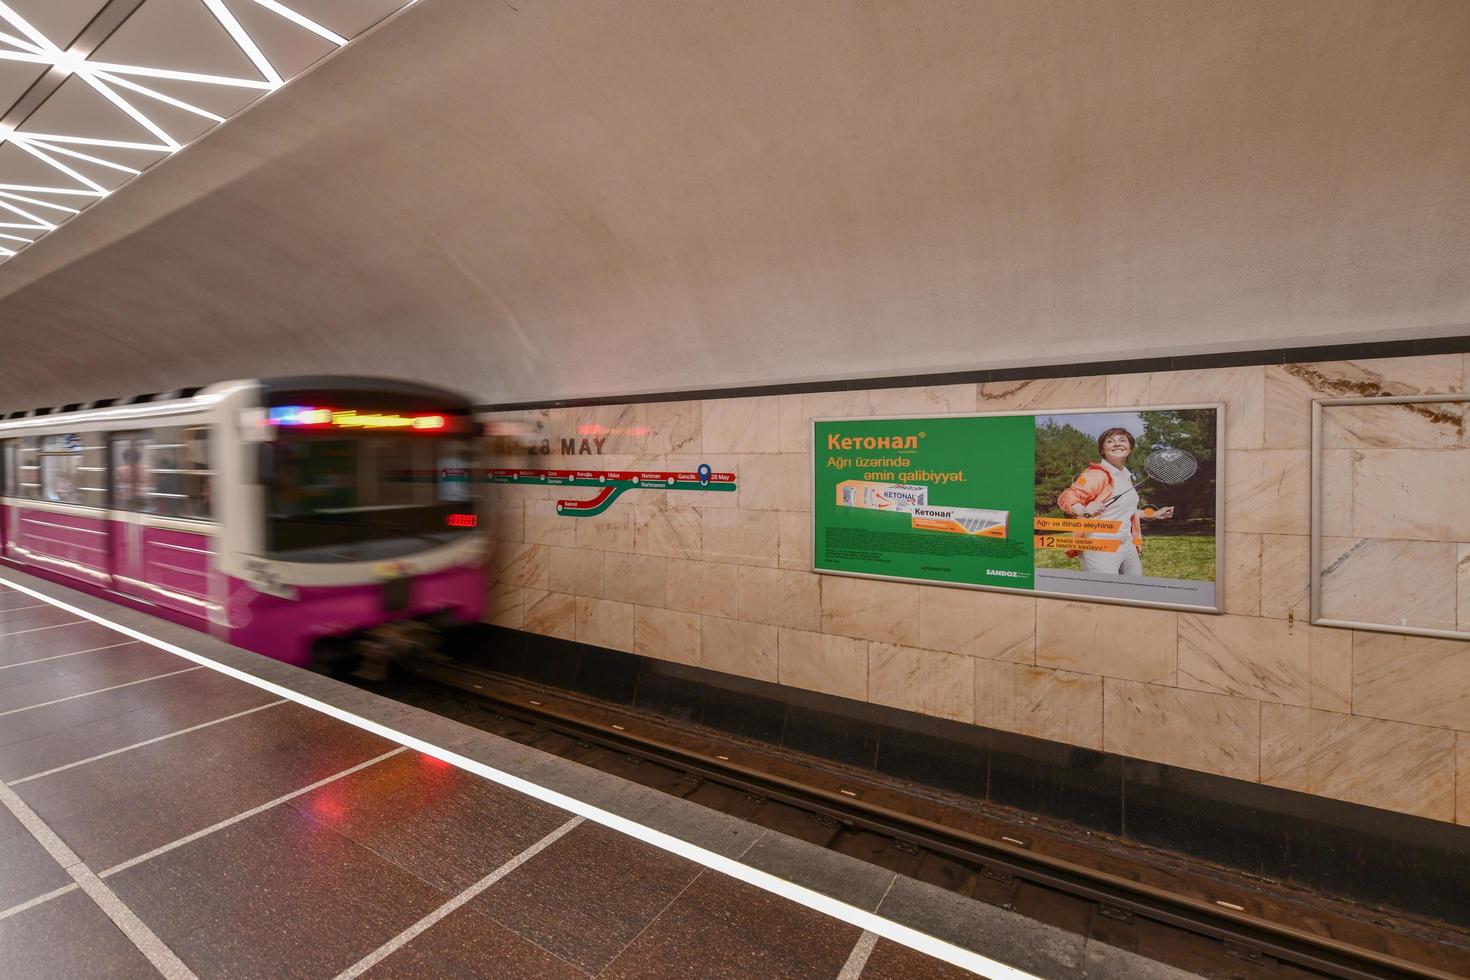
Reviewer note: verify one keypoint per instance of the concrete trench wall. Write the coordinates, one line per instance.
(723, 581)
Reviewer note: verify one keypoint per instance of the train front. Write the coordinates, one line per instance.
(364, 517)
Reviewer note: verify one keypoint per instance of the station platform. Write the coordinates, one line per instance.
(177, 806)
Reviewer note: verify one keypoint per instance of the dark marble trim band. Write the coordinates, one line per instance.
(1140, 365)
(1360, 853)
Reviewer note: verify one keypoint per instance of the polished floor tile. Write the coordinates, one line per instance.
(105, 663)
(11, 599)
(890, 961)
(128, 804)
(443, 824)
(14, 621)
(25, 647)
(274, 896)
(720, 927)
(468, 945)
(133, 664)
(212, 696)
(68, 937)
(588, 895)
(26, 870)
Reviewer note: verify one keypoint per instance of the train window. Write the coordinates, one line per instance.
(59, 459)
(171, 476)
(27, 484)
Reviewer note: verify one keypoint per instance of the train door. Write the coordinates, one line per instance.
(127, 513)
(7, 464)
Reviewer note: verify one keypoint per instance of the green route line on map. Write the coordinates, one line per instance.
(611, 489)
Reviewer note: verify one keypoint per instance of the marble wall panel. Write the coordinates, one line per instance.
(666, 634)
(1417, 679)
(794, 540)
(1243, 574)
(1462, 565)
(1331, 653)
(1462, 781)
(1408, 768)
(1337, 491)
(612, 530)
(1053, 704)
(781, 598)
(1428, 425)
(1242, 389)
(604, 623)
(1268, 491)
(577, 572)
(545, 526)
(1111, 641)
(1371, 580)
(870, 609)
(927, 400)
(1042, 393)
(671, 427)
(992, 625)
(1207, 732)
(506, 606)
(1286, 578)
(668, 533)
(927, 681)
(1290, 388)
(741, 425)
(1407, 493)
(735, 647)
(507, 520)
(797, 412)
(617, 426)
(707, 587)
(823, 662)
(1261, 659)
(1126, 390)
(774, 481)
(639, 579)
(551, 614)
(525, 565)
(742, 537)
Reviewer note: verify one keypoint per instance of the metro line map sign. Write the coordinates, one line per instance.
(612, 484)
(1117, 505)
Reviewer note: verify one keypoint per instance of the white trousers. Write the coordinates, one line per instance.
(1124, 561)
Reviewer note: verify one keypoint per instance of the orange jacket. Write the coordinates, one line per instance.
(1095, 483)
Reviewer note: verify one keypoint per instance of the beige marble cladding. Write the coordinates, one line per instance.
(1399, 583)
(666, 634)
(1268, 491)
(604, 623)
(823, 662)
(1262, 659)
(1409, 768)
(747, 649)
(724, 580)
(871, 609)
(707, 587)
(1290, 388)
(1054, 704)
(991, 625)
(780, 598)
(1408, 493)
(1209, 732)
(927, 681)
(1112, 641)
(741, 425)
(1412, 678)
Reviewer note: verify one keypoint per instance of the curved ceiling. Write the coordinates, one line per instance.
(539, 201)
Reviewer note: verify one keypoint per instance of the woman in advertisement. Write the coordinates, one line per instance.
(1105, 491)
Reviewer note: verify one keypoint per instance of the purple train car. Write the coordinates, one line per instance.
(324, 521)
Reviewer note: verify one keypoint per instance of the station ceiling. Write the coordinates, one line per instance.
(539, 200)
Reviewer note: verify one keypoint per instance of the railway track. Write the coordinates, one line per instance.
(1215, 939)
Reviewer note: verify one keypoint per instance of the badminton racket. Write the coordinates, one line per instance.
(1165, 465)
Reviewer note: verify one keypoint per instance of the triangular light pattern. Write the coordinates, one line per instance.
(81, 169)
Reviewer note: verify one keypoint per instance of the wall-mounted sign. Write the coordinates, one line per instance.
(1119, 505)
(612, 484)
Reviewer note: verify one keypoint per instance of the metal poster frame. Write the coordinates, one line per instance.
(1220, 452)
(1315, 616)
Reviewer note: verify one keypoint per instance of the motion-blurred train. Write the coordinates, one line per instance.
(324, 521)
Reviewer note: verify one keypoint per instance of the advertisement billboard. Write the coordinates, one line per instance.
(1116, 505)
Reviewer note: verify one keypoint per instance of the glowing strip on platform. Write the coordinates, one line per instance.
(801, 895)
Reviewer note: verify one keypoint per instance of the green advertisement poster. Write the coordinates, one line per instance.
(1117, 505)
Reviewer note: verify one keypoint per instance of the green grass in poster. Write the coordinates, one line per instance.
(980, 463)
(1186, 556)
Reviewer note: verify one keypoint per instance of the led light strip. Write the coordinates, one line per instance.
(801, 895)
(22, 41)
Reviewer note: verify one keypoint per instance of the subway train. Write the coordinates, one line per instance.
(324, 521)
